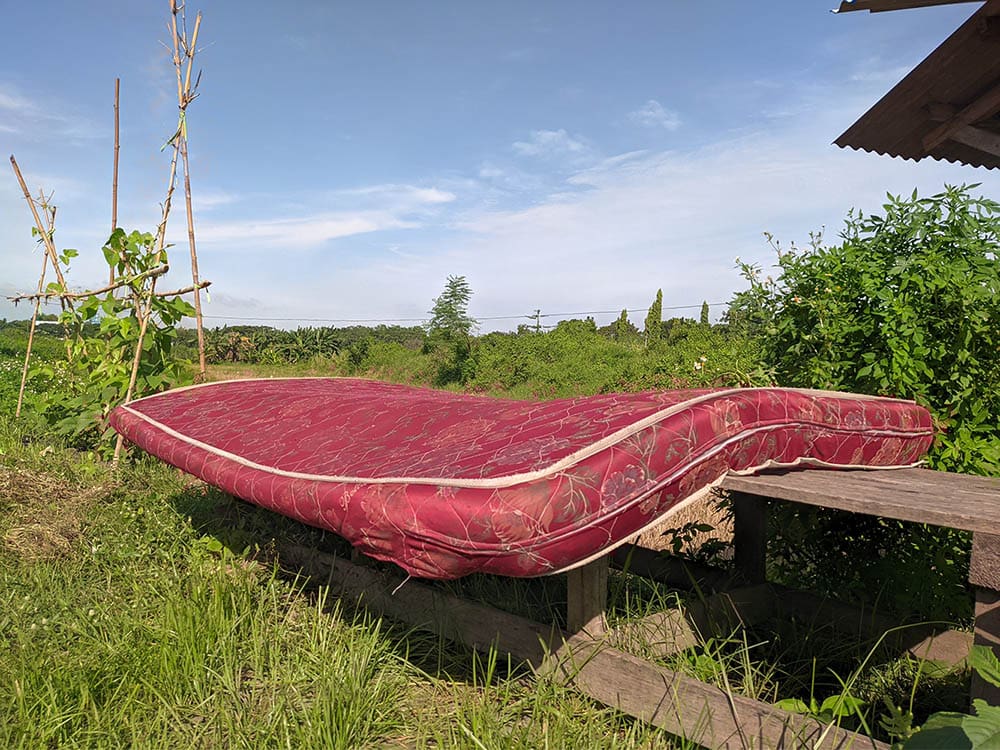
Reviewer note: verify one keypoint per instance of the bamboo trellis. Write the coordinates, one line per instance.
(183, 49)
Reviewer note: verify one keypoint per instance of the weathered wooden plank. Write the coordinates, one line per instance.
(689, 708)
(673, 571)
(587, 598)
(984, 567)
(424, 607)
(671, 631)
(681, 705)
(860, 621)
(987, 633)
(984, 575)
(953, 500)
(950, 647)
(750, 536)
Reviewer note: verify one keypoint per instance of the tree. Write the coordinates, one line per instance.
(450, 317)
(704, 314)
(653, 327)
(449, 330)
(624, 330)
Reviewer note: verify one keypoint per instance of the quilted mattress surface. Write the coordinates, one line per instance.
(447, 484)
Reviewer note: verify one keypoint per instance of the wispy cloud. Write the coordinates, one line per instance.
(22, 116)
(329, 215)
(653, 115)
(206, 200)
(301, 232)
(551, 144)
(400, 195)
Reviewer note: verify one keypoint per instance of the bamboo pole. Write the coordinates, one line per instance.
(184, 97)
(143, 314)
(185, 290)
(34, 320)
(50, 247)
(114, 181)
(158, 271)
(143, 325)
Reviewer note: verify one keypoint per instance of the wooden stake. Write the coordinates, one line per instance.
(185, 97)
(587, 598)
(114, 180)
(46, 235)
(143, 324)
(34, 320)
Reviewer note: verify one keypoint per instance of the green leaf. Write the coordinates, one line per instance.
(110, 255)
(793, 705)
(983, 728)
(942, 731)
(842, 705)
(985, 662)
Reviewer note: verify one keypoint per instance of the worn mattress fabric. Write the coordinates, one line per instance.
(448, 484)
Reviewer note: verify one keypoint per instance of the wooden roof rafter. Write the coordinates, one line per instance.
(961, 126)
(880, 6)
(948, 107)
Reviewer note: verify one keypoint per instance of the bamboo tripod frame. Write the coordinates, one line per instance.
(184, 49)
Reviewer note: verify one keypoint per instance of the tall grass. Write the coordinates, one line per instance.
(141, 611)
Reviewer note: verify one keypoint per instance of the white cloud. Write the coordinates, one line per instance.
(206, 200)
(653, 115)
(551, 143)
(22, 116)
(407, 195)
(297, 233)
(13, 102)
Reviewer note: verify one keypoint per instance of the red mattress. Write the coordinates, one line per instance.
(448, 484)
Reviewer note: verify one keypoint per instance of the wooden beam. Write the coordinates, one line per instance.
(658, 565)
(987, 633)
(671, 631)
(902, 494)
(985, 106)
(984, 575)
(941, 112)
(750, 536)
(979, 139)
(680, 705)
(587, 598)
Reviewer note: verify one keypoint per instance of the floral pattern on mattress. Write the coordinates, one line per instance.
(447, 484)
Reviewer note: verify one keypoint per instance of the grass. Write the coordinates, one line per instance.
(141, 608)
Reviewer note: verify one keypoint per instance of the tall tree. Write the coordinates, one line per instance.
(624, 330)
(704, 314)
(449, 332)
(653, 327)
(450, 317)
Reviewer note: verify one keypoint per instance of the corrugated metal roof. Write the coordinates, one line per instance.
(878, 6)
(954, 92)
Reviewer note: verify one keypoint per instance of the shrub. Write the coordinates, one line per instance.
(908, 305)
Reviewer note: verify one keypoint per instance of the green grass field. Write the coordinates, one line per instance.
(141, 608)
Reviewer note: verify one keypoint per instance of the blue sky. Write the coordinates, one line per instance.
(348, 157)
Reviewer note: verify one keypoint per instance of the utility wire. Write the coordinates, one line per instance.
(485, 317)
(535, 316)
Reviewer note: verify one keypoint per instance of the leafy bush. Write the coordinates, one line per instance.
(99, 369)
(576, 359)
(908, 305)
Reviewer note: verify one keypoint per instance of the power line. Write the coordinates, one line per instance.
(534, 316)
